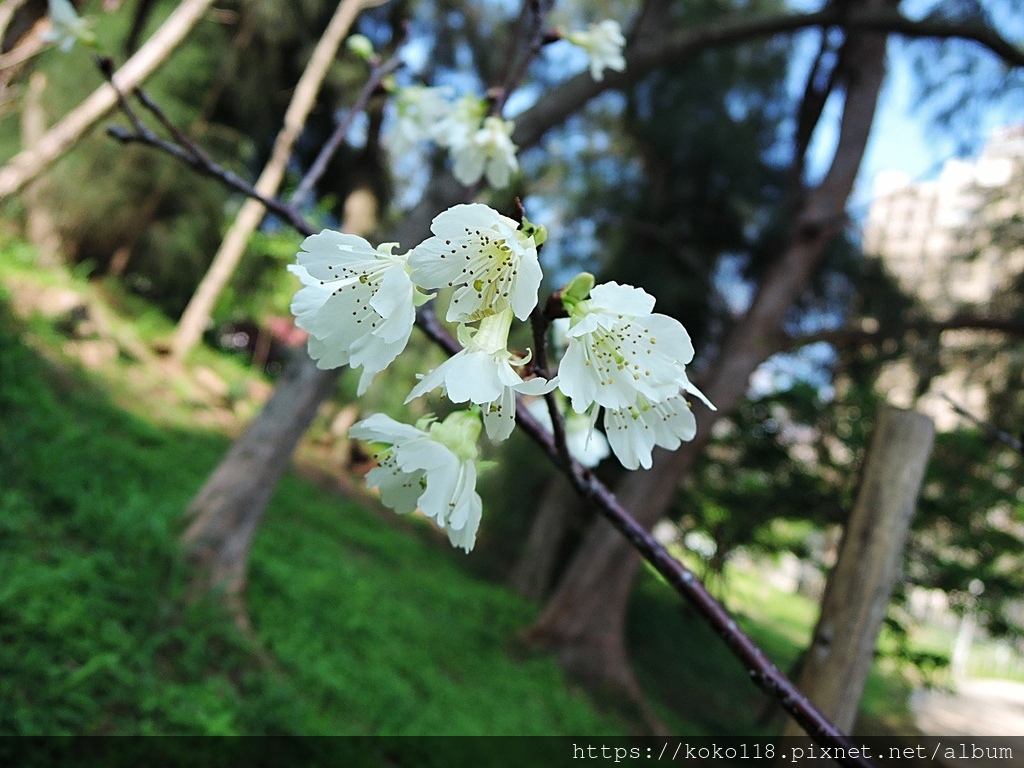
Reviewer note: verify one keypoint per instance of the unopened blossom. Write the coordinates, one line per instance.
(634, 431)
(489, 151)
(361, 46)
(431, 466)
(420, 109)
(67, 26)
(603, 43)
(619, 349)
(586, 444)
(490, 262)
(357, 302)
(482, 373)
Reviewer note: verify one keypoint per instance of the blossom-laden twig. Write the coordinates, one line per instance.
(416, 461)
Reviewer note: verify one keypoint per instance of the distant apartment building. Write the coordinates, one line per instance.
(935, 238)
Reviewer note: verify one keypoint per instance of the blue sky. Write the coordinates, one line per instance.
(903, 137)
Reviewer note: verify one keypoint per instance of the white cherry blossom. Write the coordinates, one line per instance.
(603, 43)
(488, 150)
(492, 264)
(634, 431)
(618, 350)
(482, 373)
(431, 468)
(357, 302)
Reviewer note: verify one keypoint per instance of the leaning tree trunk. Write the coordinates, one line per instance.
(584, 620)
(859, 589)
(227, 510)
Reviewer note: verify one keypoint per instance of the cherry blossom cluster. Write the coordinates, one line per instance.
(478, 144)
(358, 304)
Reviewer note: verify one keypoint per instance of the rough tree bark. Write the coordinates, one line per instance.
(197, 314)
(28, 164)
(860, 585)
(583, 621)
(226, 512)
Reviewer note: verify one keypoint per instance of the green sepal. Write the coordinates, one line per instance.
(577, 290)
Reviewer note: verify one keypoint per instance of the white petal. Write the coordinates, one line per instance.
(528, 279)
(575, 379)
(624, 299)
(379, 428)
(469, 164)
(433, 262)
(672, 337)
(432, 380)
(398, 490)
(500, 416)
(442, 484)
(630, 438)
(589, 447)
(475, 378)
(323, 255)
(462, 501)
(537, 386)
(465, 537)
(453, 223)
(688, 387)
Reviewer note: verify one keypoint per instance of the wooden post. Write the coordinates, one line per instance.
(870, 556)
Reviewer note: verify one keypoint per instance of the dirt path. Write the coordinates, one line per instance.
(986, 708)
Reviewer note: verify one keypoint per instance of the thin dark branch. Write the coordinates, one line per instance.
(539, 323)
(538, 11)
(891, 20)
(644, 57)
(188, 152)
(991, 429)
(850, 336)
(316, 170)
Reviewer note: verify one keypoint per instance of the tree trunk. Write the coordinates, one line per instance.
(859, 588)
(591, 600)
(227, 510)
(197, 314)
(39, 224)
(536, 569)
(29, 163)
